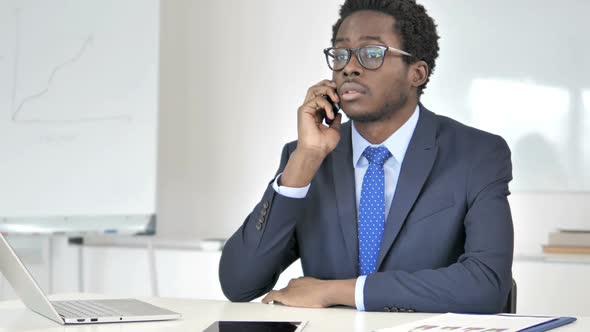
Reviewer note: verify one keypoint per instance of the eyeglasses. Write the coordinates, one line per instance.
(370, 56)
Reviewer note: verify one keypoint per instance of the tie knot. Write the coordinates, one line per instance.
(376, 155)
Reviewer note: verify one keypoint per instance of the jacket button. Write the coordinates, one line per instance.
(265, 204)
(411, 310)
(258, 226)
(260, 220)
(395, 309)
(263, 212)
(386, 309)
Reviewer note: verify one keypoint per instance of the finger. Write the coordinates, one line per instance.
(319, 91)
(333, 93)
(317, 104)
(268, 298)
(272, 296)
(322, 90)
(326, 82)
(326, 89)
(337, 122)
(320, 108)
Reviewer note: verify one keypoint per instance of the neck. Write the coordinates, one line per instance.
(378, 131)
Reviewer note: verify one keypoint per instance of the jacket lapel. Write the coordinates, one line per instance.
(415, 169)
(344, 187)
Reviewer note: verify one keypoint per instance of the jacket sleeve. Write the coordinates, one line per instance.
(481, 278)
(264, 245)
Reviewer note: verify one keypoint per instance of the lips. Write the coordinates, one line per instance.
(349, 91)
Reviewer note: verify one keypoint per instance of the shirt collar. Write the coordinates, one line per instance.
(397, 143)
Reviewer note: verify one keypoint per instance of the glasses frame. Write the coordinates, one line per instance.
(357, 53)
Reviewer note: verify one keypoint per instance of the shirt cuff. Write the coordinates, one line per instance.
(359, 293)
(289, 191)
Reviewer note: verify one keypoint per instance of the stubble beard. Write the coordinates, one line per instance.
(390, 108)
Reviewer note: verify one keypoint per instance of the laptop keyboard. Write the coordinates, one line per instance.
(86, 309)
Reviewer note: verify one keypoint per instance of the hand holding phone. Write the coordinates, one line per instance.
(315, 140)
(335, 108)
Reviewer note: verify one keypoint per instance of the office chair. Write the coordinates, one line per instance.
(510, 307)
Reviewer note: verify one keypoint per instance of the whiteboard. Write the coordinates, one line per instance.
(519, 69)
(78, 107)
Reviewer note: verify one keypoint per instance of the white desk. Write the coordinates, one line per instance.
(198, 314)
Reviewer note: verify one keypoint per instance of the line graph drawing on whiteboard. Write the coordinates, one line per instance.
(20, 106)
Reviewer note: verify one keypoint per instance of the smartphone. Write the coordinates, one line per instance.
(335, 107)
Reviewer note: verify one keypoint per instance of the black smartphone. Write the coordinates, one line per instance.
(335, 107)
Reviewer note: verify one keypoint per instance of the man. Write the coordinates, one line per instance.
(399, 209)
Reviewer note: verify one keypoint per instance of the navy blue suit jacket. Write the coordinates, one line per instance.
(448, 238)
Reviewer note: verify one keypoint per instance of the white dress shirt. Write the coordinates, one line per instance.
(397, 144)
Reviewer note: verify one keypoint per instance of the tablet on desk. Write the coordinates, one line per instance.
(260, 326)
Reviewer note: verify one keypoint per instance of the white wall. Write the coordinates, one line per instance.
(228, 104)
(535, 214)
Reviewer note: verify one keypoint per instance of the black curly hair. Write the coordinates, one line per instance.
(416, 30)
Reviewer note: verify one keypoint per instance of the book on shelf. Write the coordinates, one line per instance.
(576, 238)
(574, 230)
(559, 249)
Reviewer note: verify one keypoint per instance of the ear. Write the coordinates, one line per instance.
(419, 73)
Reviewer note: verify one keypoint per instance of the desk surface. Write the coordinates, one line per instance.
(198, 314)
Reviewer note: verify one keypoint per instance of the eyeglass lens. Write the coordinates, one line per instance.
(370, 57)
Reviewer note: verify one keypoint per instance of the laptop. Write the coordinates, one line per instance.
(73, 312)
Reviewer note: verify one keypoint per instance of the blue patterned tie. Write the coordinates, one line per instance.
(372, 209)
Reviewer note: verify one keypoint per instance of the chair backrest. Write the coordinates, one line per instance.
(510, 307)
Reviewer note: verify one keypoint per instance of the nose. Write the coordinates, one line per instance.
(353, 67)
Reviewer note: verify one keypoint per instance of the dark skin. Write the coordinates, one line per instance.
(378, 101)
